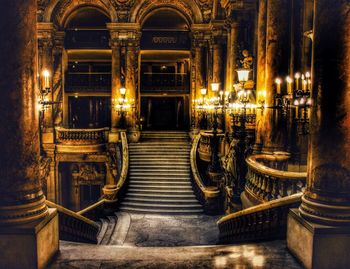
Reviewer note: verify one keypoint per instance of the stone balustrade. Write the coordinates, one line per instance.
(265, 183)
(81, 136)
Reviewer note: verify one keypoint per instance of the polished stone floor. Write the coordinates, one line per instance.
(152, 242)
(272, 255)
(170, 231)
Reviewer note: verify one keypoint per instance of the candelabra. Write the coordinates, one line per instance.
(296, 96)
(122, 105)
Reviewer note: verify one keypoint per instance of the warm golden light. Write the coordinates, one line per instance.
(243, 74)
(122, 91)
(46, 81)
(278, 82)
(203, 91)
(215, 86)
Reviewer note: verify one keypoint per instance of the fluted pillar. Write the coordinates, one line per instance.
(272, 133)
(21, 198)
(131, 80)
(116, 81)
(261, 70)
(323, 218)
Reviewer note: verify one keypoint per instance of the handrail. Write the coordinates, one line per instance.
(265, 221)
(74, 227)
(266, 184)
(92, 208)
(111, 191)
(252, 162)
(125, 162)
(207, 192)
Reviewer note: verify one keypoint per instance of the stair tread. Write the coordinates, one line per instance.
(190, 205)
(142, 210)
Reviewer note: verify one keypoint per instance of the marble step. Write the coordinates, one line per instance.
(159, 152)
(153, 182)
(110, 223)
(158, 192)
(173, 174)
(159, 187)
(159, 179)
(162, 200)
(161, 166)
(161, 206)
(161, 211)
(173, 196)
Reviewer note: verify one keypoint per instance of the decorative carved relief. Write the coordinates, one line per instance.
(123, 8)
(44, 171)
(206, 7)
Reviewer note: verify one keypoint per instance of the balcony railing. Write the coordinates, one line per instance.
(87, 39)
(87, 81)
(265, 183)
(67, 136)
(169, 82)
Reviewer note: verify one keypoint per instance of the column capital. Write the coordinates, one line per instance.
(45, 32)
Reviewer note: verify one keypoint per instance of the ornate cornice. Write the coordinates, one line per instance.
(123, 9)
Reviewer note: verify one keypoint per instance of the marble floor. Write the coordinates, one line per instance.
(170, 231)
(272, 255)
(151, 241)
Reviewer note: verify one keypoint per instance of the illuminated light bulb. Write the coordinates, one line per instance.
(46, 75)
(296, 103)
(215, 86)
(122, 91)
(203, 91)
(243, 74)
(278, 82)
(307, 75)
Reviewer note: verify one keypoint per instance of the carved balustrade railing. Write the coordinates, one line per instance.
(74, 227)
(208, 196)
(267, 221)
(265, 183)
(67, 136)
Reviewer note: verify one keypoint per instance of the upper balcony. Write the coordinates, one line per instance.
(87, 39)
(81, 140)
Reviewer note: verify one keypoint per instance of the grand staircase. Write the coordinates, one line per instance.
(159, 175)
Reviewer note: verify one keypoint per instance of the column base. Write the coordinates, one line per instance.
(30, 246)
(318, 246)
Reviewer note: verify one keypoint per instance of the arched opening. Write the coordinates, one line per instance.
(88, 74)
(164, 73)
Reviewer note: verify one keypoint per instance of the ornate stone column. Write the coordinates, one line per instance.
(261, 70)
(197, 78)
(271, 126)
(131, 80)
(319, 232)
(115, 44)
(27, 226)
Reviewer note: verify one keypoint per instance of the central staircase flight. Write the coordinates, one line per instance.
(160, 176)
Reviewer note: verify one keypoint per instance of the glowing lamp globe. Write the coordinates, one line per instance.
(243, 74)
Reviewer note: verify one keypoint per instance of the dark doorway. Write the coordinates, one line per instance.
(164, 113)
(89, 112)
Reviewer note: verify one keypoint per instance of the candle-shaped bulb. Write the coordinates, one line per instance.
(278, 82)
(46, 82)
(289, 84)
(304, 85)
(307, 75)
(297, 77)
